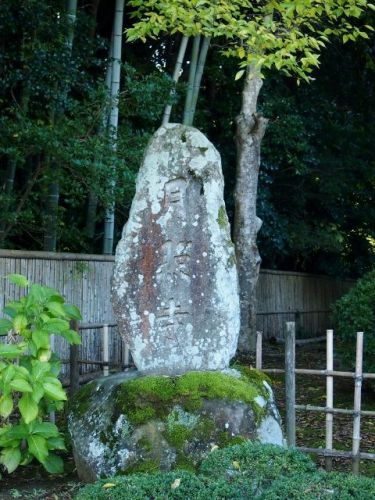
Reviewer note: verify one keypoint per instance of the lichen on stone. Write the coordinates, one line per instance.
(222, 218)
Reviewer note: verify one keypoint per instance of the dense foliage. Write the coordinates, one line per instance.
(235, 473)
(29, 386)
(317, 176)
(355, 312)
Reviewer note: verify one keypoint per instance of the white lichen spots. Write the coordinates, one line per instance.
(140, 279)
(146, 313)
(202, 294)
(226, 425)
(197, 261)
(196, 217)
(270, 431)
(190, 301)
(195, 224)
(260, 401)
(204, 254)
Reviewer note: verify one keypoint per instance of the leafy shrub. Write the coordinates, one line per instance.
(169, 485)
(355, 312)
(321, 486)
(254, 465)
(29, 384)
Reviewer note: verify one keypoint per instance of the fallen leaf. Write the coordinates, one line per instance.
(176, 483)
(108, 485)
(214, 447)
(236, 464)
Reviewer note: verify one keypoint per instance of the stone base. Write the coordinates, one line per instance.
(133, 423)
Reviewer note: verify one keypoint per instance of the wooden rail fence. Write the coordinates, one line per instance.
(290, 397)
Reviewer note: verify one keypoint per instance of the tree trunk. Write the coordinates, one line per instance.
(198, 76)
(251, 127)
(109, 221)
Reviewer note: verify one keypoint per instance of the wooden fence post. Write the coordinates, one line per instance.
(357, 403)
(329, 400)
(73, 362)
(258, 359)
(290, 383)
(105, 351)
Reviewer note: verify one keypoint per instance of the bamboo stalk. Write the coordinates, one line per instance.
(258, 359)
(290, 383)
(105, 351)
(192, 73)
(329, 400)
(74, 362)
(334, 411)
(198, 76)
(357, 403)
(175, 77)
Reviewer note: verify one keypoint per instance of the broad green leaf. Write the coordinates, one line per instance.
(6, 406)
(5, 326)
(54, 392)
(41, 339)
(12, 436)
(19, 323)
(28, 408)
(71, 336)
(21, 385)
(53, 464)
(38, 392)
(56, 325)
(56, 443)
(10, 458)
(39, 369)
(8, 374)
(56, 308)
(239, 74)
(10, 351)
(72, 312)
(13, 308)
(18, 279)
(38, 447)
(46, 429)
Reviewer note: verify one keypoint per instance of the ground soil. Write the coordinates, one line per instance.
(32, 483)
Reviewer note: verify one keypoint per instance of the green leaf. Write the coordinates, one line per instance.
(21, 385)
(38, 447)
(56, 308)
(6, 406)
(53, 464)
(239, 74)
(5, 326)
(8, 374)
(10, 351)
(46, 430)
(20, 323)
(39, 369)
(38, 392)
(72, 312)
(10, 458)
(56, 325)
(54, 391)
(41, 339)
(71, 336)
(18, 279)
(28, 408)
(13, 435)
(44, 355)
(56, 443)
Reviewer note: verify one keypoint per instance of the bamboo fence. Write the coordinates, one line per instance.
(290, 397)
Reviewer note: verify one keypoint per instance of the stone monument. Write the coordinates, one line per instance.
(175, 291)
(176, 300)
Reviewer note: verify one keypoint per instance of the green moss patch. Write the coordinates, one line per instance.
(153, 397)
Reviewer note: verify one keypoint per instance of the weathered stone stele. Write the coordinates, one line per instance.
(175, 287)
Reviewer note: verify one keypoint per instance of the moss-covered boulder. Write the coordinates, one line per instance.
(133, 423)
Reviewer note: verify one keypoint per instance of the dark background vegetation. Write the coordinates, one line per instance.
(317, 177)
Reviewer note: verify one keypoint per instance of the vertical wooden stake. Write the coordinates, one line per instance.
(126, 359)
(258, 359)
(73, 362)
(329, 400)
(357, 403)
(105, 351)
(290, 382)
